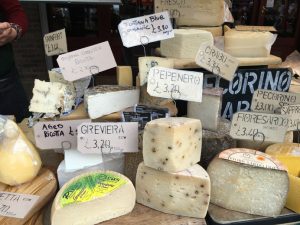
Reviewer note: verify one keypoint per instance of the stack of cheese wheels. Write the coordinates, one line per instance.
(248, 181)
(92, 198)
(169, 179)
(289, 155)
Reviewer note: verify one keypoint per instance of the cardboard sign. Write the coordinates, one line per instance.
(237, 94)
(57, 134)
(106, 138)
(260, 127)
(55, 43)
(16, 205)
(293, 112)
(271, 101)
(146, 29)
(86, 61)
(216, 61)
(175, 84)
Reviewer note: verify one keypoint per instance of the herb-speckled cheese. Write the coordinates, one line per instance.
(172, 144)
(186, 193)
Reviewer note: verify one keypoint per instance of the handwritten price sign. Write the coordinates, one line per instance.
(216, 61)
(146, 29)
(175, 84)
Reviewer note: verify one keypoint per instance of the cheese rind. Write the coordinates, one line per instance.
(146, 63)
(106, 99)
(248, 43)
(203, 13)
(248, 189)
(52, 97)
(185, 44)
(186, 193)
(92, 198)
(208, 111)
(172, 144)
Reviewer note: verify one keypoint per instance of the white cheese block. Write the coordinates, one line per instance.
(215, 31)
(248, 43)
(52, 97)
(172, 144)
(186, 193)
(146, 63)
(106, 99)
(92, 198)
(246, 188)
(208, 111)
(113, 162)
(203, 13)
(124, 76)
(185, 44)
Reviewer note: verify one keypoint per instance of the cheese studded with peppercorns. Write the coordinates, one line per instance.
(186, 193)
(172, 144)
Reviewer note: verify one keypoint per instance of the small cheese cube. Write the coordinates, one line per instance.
(92, 198)
(208, 111)
(186, 193)
(185, 44)
(248, 43)
(172, 144)
(247, 188)
(106, 99)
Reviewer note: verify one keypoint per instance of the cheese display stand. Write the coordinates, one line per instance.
(132, 154)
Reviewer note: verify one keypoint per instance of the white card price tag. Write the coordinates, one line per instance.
(146, 29)
(293, 112)
(106, 138)
(259, 126)
(216, 61)
(55, 43)
(175, 84)
(16, 205)
(57, 134)
(86, 61)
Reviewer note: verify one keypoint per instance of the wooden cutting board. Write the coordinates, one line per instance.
(142, 215)
(44, 185)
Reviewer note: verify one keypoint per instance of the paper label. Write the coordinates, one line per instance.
(293, 112)
(16, 205)
(175, 84)
(57, 134)
(75, 160)
(255, 28)
(271, 101)
(55, 43)
(106, 138)
(216, 61)
(86, 61)
(90, 187)
(146, 29)
(260, 127)
(252, 158)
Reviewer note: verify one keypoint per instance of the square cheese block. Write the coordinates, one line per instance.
(124, 76)
(185, 44)
(186, 193)
(248, 188)
(215, 31)
(106, 99)
(52, 97)
(172, 144)
(248, 43)
(208, 111)
(146, 63)
(203, 13)
(289, 155)
(92, 198)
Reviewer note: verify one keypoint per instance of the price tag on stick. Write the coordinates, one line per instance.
(106, 138)
(175, 84)
(216, 61)
(146, 29)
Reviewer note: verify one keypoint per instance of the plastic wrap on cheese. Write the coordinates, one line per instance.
(19, 160)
